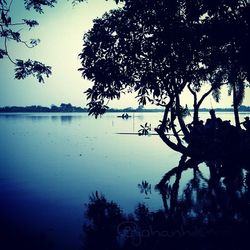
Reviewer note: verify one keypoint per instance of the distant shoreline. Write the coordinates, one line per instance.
(68, 108)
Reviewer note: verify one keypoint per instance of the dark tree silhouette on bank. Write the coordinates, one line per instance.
(158, 49)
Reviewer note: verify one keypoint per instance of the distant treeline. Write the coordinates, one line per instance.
(242, 108)
(34, 108)
(69, 108)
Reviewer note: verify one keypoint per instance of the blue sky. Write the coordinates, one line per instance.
(61, 30)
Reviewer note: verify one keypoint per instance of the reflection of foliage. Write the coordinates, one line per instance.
(145, 187)
(102, 211)
(209, 213)
(144, 129)
(103, 216)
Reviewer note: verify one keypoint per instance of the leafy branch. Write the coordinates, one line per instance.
(34, 68)
(9, 33)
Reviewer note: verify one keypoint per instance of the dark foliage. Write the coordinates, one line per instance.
(37, 69)
(38, 5)
(10, 31)
(159, 48)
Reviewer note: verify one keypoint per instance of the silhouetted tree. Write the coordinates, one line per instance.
(227, 32)
(159, 48)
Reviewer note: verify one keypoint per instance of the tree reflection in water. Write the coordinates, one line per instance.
(208, 213)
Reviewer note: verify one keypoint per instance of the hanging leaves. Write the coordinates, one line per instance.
(34, 68)
(31, 23)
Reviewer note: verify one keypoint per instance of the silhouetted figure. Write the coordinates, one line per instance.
(246, 123)
(213, 123)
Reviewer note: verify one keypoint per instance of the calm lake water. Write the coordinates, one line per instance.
(51, 163)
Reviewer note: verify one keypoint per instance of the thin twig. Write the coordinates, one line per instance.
(7, 53)
(9, 6)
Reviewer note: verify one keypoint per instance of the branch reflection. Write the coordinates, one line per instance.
(210, 212)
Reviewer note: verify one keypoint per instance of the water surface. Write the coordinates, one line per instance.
(51, 163)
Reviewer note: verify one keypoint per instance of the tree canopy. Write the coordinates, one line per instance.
(159, 48)
(155, 48)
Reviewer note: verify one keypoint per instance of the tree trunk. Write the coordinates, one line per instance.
(180, 118)
(235, 107)
(196, 114)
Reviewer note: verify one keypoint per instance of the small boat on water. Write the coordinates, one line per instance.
(124, 116)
